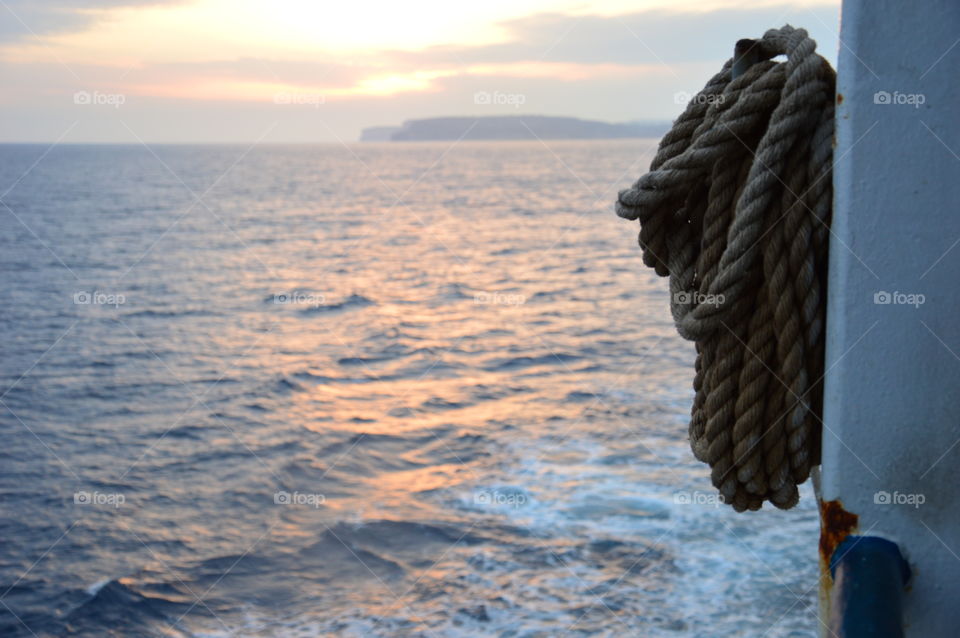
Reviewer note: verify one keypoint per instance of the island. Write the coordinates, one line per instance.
(511, 127)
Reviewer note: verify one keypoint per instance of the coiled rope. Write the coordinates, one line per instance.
(736, 211)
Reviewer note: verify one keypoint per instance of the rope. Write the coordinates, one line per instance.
(736, 211)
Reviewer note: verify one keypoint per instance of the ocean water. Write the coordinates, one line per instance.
(368, 390)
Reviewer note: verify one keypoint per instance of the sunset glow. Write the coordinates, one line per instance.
(433, 54)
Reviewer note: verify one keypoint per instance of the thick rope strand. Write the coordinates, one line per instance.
(735, 210)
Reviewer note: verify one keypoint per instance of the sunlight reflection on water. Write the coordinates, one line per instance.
(387, 390)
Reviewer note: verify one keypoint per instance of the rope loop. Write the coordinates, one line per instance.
(735, 210)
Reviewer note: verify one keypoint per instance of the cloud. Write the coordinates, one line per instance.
(646, 37)
(28, 18)
(540, 48)
(616, 68)
(329, 72)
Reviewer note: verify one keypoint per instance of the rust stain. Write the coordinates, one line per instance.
(836, 524)
(839, 98)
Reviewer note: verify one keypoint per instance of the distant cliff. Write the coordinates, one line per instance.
(511, 127)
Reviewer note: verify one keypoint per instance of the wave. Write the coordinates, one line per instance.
(514, 363)
(125, 611)
(352, 302)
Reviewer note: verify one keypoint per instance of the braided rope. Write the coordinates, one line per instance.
(735, 210)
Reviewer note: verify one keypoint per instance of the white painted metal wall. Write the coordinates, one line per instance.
(891, 447)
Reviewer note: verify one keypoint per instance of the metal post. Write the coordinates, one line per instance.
(869, 576)
(891, 437)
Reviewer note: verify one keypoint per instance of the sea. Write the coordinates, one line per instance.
(402, 389)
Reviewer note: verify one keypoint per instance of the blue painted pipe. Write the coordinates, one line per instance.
(869, 575)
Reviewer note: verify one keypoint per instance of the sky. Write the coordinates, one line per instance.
(244, 71)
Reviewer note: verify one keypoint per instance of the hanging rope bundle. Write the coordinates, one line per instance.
(736, 211)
